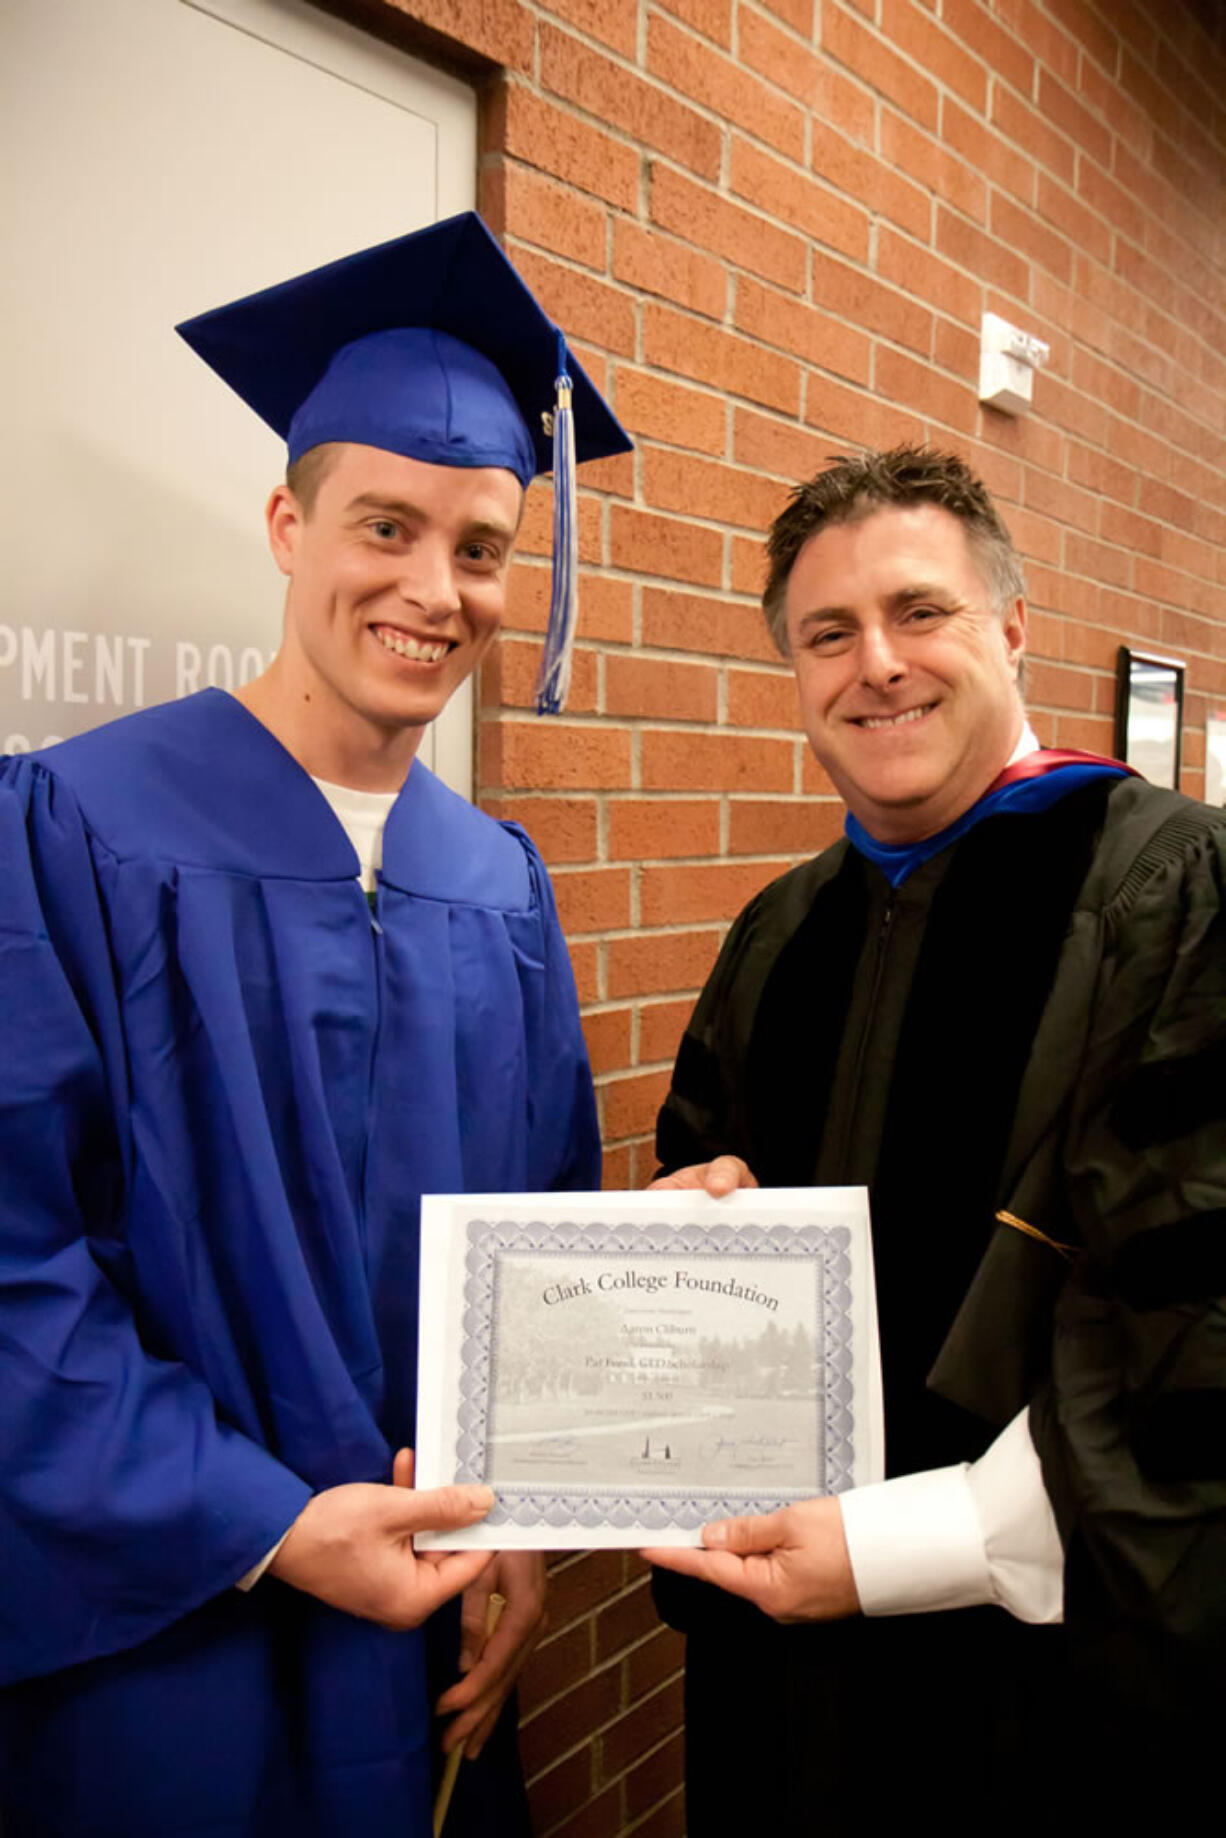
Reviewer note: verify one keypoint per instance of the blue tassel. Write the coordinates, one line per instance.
(553, 681)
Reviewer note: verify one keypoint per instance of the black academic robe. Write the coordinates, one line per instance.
(851, 1034)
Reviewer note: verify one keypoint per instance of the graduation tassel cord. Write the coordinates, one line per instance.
(451, 1768)
(553, 682)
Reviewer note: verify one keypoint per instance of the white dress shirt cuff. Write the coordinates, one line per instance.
(1024, 1551)
(916, 1544)
(959, 1537)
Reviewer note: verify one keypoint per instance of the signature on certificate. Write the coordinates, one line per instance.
(554, 1449)
(756, 1451)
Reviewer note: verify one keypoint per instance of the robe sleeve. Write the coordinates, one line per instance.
(124, 1501)
(564, 1135)
(705, 1113)
(1132, 1427)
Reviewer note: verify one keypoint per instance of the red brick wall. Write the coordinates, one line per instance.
(771, 227)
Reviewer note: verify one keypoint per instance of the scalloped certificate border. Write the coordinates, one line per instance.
(824, 1249)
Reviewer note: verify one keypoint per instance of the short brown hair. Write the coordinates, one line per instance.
(308, 473)
(853, 487)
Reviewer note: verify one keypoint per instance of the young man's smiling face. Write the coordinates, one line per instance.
(397, 584)
(906, 672)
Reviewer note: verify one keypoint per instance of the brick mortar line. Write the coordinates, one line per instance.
(925, 70)
(593, 1671)
(579, 111)
(648, 1069)
(615, 1780)
(680, 928)
(628, 1831)
(720, 195)
(655, 724)
(873, 273)
(572, 265)
(1212, 257)
(783, 858)
(645, 1754)
(1175, 326)
(1060, 524)
(617, 571)
(710, 660)
(1122, 548)
(781, 865)
(583, 1742)
(670, 91)
(657, 444)
(1150, 216)
(822, 51)
(724, 195)
(1172, 95)
(598, 1729)
(1040, 164)
(1078, 96)
(727, 55)
(561, 869)
(684, 795)
(625, 649)
(1216, 50)
(1070, 573)
(605, 1005)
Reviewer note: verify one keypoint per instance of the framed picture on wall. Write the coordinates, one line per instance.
(1215, 756)
(1149, 714)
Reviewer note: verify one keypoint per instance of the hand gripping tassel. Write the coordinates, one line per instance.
(553, 682)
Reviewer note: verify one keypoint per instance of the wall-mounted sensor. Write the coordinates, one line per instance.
(1008, 359)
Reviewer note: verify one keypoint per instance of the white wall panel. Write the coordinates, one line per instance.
(160, 157)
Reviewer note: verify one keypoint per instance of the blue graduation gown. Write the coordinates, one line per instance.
(226, 1083)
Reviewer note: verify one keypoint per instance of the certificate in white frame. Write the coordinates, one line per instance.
(623, 1368)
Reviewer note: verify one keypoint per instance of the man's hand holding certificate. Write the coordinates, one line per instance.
(792, 1564)
(622, 1369)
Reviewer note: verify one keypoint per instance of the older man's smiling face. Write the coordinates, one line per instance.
(907, 674)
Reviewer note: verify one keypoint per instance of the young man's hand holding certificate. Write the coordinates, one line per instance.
(623, 1368)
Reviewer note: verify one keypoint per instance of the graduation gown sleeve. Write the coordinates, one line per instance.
(125, 1500)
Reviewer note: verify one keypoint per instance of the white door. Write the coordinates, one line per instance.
(162, 157)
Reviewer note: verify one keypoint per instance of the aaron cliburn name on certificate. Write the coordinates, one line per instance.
(621, 1368)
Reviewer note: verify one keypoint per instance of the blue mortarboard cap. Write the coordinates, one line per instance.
(419, 392)
(430, 346)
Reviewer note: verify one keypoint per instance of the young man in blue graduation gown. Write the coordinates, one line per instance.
(263, 982)
(1000, 1002)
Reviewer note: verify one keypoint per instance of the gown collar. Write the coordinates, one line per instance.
(1035, 778)
(436, 845)
(201, 783)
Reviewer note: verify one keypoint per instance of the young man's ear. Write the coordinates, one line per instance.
(284, 518)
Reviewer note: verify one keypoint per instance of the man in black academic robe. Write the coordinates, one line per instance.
(1001, 1004)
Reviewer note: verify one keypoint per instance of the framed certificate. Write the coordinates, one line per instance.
(1149, 714)
(1215, 757)
(621, 1368)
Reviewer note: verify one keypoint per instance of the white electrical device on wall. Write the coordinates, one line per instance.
(1008, 359)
